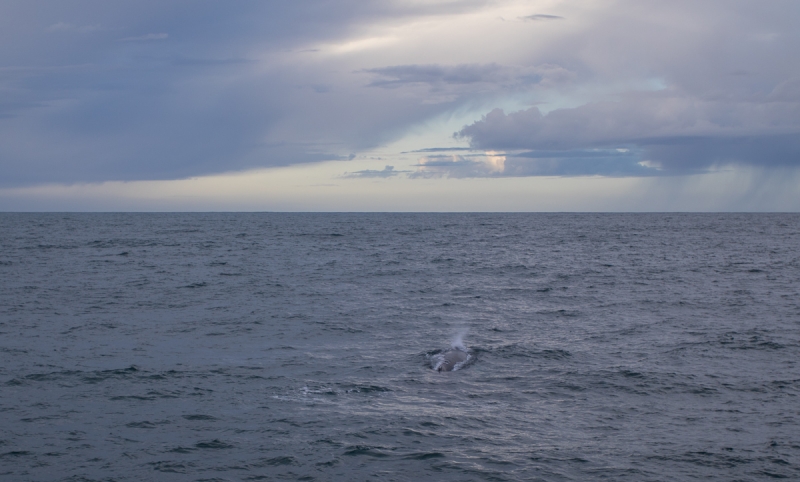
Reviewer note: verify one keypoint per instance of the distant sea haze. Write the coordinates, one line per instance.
(185, 347)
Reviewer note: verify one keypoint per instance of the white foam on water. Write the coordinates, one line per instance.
(436, 361)
(462, 364)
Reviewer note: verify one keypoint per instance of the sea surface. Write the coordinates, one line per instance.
(262, 346)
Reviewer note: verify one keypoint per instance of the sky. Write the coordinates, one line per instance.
(415, 105)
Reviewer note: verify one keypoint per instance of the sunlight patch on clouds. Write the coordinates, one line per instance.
(358, 45)
(651, 165)
(488, 164)
(496, 161)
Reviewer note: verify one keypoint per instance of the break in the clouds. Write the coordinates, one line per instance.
(92, 91)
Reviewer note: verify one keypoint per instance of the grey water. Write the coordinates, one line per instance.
(189, 347)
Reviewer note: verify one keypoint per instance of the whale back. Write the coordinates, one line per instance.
(450, 359)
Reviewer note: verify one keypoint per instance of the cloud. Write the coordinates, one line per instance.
(578, 162)
(443, 74)
(680, 132)
(388, 171)
(460, 166)
(68, 27)
(468, 77)
(540, 16)
(149, 36)
(229, 88)
(607, 162)
(440, 149)
(262, 84)
(786, 91)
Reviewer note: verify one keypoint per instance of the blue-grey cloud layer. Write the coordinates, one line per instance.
(96, 90)
(92, 90)
(677, 133)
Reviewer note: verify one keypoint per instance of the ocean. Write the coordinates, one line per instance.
(269, 346)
